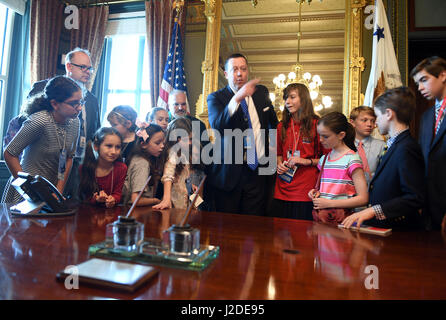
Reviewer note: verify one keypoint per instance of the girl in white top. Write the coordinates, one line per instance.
(177, 168)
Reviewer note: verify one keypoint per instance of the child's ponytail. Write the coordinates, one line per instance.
(350, 135)
(337, 122)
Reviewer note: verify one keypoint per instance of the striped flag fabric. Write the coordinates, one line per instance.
(174, 77)
(384, 73)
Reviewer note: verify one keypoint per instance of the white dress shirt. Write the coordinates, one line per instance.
(255, 122)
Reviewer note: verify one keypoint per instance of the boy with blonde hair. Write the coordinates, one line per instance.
(363, 120)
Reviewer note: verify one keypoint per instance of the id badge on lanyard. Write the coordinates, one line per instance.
(247, 142)
(82, 142)
(62, 165)
(289, 174)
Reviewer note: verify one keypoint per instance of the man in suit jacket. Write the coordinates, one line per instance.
(430, 77)
(397, 190)
(78, 67)
(239, 180)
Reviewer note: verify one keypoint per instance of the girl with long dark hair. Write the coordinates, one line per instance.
(145, 161)
(298, 152)
(47, 137)
(179, 173)
(102, 172)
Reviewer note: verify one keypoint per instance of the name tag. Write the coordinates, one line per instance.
(62, 165)
(289, 174)
(247, 142)
(82, 142)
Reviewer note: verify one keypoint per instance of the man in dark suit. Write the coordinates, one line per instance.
(397, 190)
(78, 67)
(242, 106)
(430, 77)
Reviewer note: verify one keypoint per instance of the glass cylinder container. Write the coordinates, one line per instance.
(182, 240)
(128, 234)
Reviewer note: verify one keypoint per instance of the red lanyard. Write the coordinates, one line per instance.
(295, 142)
(440, 113)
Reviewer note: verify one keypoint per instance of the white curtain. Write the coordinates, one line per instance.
(16, 5)
(126, 23)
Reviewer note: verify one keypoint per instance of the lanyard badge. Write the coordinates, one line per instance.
(289, 174)
(62, 165)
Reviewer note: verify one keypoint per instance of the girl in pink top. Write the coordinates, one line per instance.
(343, 183)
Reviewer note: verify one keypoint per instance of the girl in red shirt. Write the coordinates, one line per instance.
(298, 153)
(102, 177)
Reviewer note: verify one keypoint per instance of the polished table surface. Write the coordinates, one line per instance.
(260, 258)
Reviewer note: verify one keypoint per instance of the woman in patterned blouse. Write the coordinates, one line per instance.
(48, 136)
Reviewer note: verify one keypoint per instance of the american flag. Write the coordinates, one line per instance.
(174, 77)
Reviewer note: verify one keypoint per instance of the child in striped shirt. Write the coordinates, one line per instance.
(343, 184)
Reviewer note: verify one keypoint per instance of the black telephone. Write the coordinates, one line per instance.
(41, 197)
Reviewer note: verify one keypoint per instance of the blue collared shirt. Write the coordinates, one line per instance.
(437, 110)
(391, 140)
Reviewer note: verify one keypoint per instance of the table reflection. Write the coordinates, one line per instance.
(260, 258)
(340, 254)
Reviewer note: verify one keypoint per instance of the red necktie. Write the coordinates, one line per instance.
(363, 157)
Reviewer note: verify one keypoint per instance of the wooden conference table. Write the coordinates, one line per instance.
(260, 258)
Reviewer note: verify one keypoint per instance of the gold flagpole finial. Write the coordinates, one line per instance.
(178, 5)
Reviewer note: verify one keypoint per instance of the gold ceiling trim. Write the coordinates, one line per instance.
(291, 50)
(352, 54)
(290, 36)
(281, 19)
(195, 14)
(334, 62)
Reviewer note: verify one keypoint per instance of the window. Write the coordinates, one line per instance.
(126, 76)
(5, 41)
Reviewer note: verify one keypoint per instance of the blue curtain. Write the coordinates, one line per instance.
(18, 76)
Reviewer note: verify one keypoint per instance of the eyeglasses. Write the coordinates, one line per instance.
(76, 103)
(83, 67)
